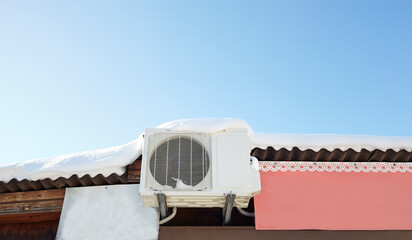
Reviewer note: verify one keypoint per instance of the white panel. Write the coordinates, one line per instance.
(231, 157)
(106, 212)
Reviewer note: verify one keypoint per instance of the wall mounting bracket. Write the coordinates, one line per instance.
(227, 210)
(161, 199)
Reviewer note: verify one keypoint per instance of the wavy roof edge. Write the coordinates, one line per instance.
(336, 155)
(131, 175)
(133, 170)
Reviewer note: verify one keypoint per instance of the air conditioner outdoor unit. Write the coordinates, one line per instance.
(195, 169)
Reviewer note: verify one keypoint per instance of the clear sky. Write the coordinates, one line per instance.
(81, 75)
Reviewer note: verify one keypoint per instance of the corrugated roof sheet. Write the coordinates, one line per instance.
(337, 155)
(73, 181)
(132, 175)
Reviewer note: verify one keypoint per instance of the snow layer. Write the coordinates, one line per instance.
(109, 160)
(330, 142)
(103, 161)
(115, 159)
(207, 125)
(181, 185)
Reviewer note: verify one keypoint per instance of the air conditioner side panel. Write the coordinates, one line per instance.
(232, 160)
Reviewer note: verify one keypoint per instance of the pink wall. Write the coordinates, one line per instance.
(334, 200)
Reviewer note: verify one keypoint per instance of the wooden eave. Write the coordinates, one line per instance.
(46, 205)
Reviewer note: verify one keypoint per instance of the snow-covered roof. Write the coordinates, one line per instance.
(115, 159)
(330, 142)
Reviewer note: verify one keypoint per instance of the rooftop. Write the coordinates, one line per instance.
(121, 164)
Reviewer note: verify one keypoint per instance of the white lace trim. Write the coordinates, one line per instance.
(335, 166)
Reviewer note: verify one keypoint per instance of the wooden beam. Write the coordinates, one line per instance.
(31, 207)
(133, 171)
(31, 202)
(29, 230)
(29, 218)
(249, 232)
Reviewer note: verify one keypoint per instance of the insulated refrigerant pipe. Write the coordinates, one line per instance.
(165, 220)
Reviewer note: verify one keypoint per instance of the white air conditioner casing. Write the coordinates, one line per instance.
(196, 169)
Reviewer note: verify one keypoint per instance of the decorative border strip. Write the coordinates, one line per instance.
(334, 166)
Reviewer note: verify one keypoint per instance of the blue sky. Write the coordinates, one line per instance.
(81, 75)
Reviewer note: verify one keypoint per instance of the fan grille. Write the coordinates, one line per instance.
(180, 162)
